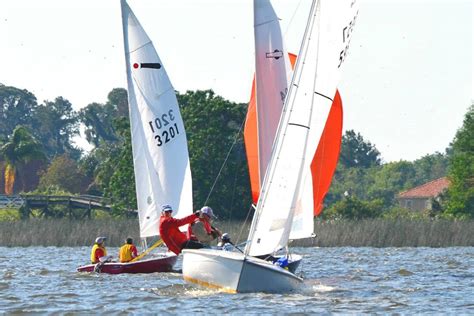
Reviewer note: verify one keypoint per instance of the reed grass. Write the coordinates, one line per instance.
(391, 233)
(64, 232)
(370, 233)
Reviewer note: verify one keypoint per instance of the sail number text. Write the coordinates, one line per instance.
(346, 39)
(164, 128)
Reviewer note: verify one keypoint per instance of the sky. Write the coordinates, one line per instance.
(406, 86)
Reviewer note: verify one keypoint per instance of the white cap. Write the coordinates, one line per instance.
(100, 240)
(166, 208)
(207, 211)
(225, 236)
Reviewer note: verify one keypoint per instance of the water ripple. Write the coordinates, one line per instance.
(337, 280)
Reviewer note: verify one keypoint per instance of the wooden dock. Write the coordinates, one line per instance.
(43, 205)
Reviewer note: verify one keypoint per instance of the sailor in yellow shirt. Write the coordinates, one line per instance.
(128, 251)
(98, 252)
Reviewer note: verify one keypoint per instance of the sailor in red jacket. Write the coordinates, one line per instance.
(174, 239)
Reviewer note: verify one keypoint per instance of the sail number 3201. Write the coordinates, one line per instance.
(164, 128)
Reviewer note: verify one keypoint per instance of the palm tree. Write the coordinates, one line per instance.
(20, 148)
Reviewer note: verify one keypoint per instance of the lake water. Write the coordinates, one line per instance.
(337, 280)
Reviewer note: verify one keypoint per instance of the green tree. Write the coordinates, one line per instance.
(359, 161)
(391, 179)
(20, 148)
(98, 121)
(460, 196)
(430, 167)
(99, 118)
(56, 124)
(357, 152)
(88, 166)
(353, 208)
(353, 181)
(117, 174)
(64, 174)
(118, 98)
(212, 124)
(17, 107)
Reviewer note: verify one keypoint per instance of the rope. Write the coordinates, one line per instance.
(245, 222)
(292, 17)
(143, 254)
(225, 160)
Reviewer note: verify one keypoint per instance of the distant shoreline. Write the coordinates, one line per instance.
(366, 233)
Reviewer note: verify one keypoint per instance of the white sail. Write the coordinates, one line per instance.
(309, 99)
(160, 153)
(338, 18)
(272, 76)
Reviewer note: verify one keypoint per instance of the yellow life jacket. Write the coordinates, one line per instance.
(125, 253)
(94, 248)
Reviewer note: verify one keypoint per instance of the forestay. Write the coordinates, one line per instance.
(160, 153)
(306, 110)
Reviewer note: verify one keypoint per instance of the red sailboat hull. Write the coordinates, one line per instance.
(163, 263)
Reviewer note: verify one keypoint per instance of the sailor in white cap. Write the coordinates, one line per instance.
(201, 229)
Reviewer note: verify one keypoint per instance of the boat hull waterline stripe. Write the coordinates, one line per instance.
(209, 285)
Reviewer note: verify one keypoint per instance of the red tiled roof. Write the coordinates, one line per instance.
(427, 190)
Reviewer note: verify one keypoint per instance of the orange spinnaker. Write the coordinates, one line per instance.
(325, 160)
(251, 145)
(251, 139)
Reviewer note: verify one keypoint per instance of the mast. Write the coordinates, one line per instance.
(306, 111)
(278, 146)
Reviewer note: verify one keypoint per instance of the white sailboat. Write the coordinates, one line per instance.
(306, 111)
(160, 152)
(273, 70)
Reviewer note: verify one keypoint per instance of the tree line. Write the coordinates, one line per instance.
(38, 154)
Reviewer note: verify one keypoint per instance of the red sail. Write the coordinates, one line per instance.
(325, 160)
(251, 145)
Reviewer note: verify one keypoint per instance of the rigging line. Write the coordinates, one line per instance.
(234, 186)
(292, 17)
(225, 160)
(139, 47)
(284, 120)
(243, 226)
